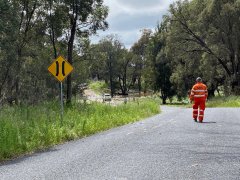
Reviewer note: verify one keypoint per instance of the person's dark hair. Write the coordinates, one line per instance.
(199, 79)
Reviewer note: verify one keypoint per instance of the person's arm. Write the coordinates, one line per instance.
(206, 93)
(191, 97)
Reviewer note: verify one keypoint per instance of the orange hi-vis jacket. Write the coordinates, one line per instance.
(199, 90)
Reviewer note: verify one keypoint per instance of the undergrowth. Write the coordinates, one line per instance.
(25, 129)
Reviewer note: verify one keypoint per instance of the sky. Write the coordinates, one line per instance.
(127, 18)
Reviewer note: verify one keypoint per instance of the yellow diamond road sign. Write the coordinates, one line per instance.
(60, 68)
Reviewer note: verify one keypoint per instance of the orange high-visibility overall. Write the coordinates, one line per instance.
(199, 95)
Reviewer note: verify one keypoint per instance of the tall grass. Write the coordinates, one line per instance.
(224, 101)
(218, 101)
(26, 129)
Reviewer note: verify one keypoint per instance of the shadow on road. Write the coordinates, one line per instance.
(25, 157)
(210, 122)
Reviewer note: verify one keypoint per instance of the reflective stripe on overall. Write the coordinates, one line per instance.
(199, 102)
(199, 94)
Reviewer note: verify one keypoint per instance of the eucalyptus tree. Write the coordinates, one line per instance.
(7, 22)
(209, 28)
(139, 48)
(111, 49)
(56, 20)
(96, 62)
(21, 26)
(126, 70)
(159, 64)
(85, 17)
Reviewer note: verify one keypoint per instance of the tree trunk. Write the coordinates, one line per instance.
(164, 100)
(211, 93)
(235, 84)
(111, 79)
(125, 82)
(70, 60)
(139, 85)
(121, 84)
(17, 81)
(236, 76)
(17, 91)
(52, 33)
(212, 90)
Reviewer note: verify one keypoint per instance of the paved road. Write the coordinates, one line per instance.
(166, 146)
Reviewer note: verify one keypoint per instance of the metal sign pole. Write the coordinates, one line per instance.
(60, 69)
(62, 104)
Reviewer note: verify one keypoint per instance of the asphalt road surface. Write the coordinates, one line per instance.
(166, 146)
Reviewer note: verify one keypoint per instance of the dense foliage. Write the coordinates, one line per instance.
(32, 34)
(196, 38)
(204, 40)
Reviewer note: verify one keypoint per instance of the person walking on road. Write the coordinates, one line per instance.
(199, 96)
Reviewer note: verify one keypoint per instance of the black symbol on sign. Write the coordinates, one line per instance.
(63, 65)
(57, 68)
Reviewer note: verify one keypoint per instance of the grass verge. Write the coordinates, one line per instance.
(218, 101)
(228, 101)
(27, 129)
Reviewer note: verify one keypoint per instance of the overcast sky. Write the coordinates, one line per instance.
(127, 17)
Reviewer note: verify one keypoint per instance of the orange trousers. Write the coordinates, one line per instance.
(198, 108)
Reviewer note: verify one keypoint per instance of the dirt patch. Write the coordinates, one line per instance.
(90, 95)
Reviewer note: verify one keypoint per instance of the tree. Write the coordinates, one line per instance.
(111, 48)
(125, 71)
(96, 62)
(159, 66)
(163, 78)
(22, 24)
(200, 29)
(6, 24)
(139, 48)
(85, 18)
(32, 33)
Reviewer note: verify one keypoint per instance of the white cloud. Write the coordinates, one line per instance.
(126, 37)
(136, 6)
(127, 17)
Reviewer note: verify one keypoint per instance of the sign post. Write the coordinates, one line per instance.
(60, 69)
(61, 94)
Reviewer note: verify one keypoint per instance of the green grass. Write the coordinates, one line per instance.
(223, 101)
(27, 129)
(218, 101)
(98, 86)
(230, 101)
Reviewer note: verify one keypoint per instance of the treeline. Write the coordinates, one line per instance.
(196, 38)
(200, 38)
(32, 34)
